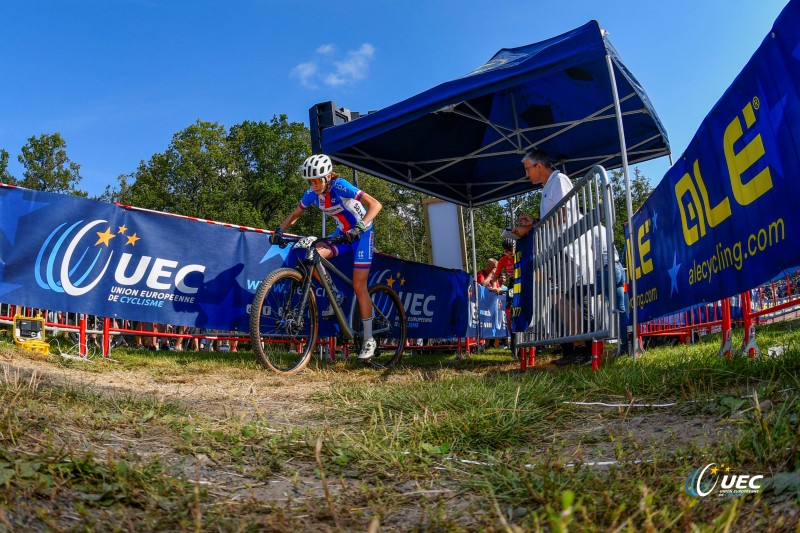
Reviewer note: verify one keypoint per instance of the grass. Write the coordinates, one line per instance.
(437, 444)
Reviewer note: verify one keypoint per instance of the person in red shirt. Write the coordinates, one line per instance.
(486, 277)
(506, 263)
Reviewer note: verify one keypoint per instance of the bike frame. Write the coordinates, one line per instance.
(315, 262)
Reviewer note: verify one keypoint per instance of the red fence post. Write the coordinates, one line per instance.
(106, 336)
(82, 336)
(726, 350)
(597, 354)
(527, 358)
(749, 344)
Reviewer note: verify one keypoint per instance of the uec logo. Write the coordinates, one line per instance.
(77, 270)
(702, 481)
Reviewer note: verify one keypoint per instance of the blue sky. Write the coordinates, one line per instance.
(117, 78)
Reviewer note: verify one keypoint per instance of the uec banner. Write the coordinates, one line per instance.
(72, 254)
(489, 315)
(724, 218)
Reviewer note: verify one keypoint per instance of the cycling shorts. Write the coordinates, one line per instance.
(362, 248)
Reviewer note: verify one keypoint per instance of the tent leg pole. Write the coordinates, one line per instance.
(629, 203)
(475, 273)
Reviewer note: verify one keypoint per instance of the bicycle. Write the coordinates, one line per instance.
(284, 323)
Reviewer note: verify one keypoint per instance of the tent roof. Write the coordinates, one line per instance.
(463, 140)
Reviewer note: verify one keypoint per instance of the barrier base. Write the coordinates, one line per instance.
(527, 358)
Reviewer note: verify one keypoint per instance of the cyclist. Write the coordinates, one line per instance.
(343, 202)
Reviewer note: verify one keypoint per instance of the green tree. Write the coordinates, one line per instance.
(5, 176)
(196, 176)
(640, 190)
(47, 166)
(399, 228)
(490, 220)
(248, 175)
(121, 193)
(408, 238)
(267, 157)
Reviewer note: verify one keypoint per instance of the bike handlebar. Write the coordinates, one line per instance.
(283, 241)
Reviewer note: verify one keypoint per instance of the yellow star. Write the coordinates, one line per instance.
(714, 470)
(104, 237)
(122, 229)
(727, 469)
(390, 281)
(132, 240)
(397, 275)
(402, 281)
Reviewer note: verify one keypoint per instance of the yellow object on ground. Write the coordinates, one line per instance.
(29, 333)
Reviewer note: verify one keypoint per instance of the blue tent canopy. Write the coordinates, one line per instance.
(463, 140)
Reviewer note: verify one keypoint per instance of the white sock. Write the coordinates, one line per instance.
(367, 324)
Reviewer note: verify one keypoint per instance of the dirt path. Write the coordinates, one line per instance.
(216, 393)
(222, 394)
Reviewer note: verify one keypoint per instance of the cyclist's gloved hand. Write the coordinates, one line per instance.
(354, 232)
(277, 237)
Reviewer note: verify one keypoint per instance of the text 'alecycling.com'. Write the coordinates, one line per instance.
(735, 255)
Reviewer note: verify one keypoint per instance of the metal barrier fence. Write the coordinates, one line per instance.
(762, 305)
(776, 301)
(103, 334)
(699, 320)
(574, 291)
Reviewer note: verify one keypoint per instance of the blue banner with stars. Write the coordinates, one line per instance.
(65, 253)
(724, 218)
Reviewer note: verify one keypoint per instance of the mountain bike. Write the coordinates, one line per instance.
(284, 323)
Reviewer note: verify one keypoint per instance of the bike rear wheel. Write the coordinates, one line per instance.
(282, 334)
(388, 326)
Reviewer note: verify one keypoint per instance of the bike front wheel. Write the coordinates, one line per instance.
(388, 326)
(283, 329)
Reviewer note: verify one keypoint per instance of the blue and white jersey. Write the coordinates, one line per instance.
(341, 203)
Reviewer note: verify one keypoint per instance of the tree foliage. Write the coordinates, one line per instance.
(5, 176)
(267, 157)
(640, 190)
(47, 166)
(400, 227)
(246, 176)
(249, 175)
(490, 220)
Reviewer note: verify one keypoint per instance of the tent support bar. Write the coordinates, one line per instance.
(628, 202)
(474, 272)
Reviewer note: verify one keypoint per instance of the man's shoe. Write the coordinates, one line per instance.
(567, 355)
(329, 312)
(564, 360)
(583, 355)
(368, 349)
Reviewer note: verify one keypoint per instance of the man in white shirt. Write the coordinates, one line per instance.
(556, 185)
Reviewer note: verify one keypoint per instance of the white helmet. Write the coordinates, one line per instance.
(316, 166)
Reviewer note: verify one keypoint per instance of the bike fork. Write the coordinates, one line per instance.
(305, 287)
